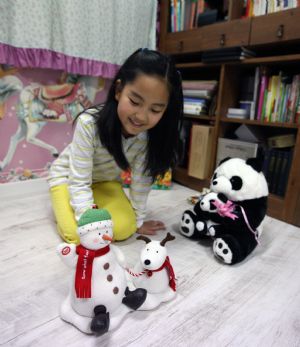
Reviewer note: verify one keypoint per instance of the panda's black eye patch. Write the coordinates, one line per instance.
(236, 182)
(214, 176)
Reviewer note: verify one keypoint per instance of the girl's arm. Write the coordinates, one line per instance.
(139, 190)
(81, 164)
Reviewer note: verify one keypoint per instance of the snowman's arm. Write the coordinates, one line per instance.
(119, 254)
(67, 253)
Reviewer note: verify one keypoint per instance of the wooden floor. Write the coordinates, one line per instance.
(255, 303)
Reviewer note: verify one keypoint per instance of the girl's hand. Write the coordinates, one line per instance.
(150, 227)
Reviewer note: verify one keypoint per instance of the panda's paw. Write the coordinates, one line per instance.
(200, 226)
(222, 251)
(187, 225)
(212, 231)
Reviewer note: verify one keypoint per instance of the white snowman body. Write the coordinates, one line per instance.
(108, 280)
(108, 285)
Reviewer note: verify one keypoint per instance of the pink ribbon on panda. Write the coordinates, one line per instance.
(227, 209)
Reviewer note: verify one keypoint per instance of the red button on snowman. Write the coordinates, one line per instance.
(99, 297)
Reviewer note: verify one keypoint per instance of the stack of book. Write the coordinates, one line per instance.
(199, 96)
(277, 164)
(226, 54)
(276, 98)
(184, 14)
(256, 8)
(237, 113)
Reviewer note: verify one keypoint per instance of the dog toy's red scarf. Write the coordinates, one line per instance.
(84, 268)
(170, 271)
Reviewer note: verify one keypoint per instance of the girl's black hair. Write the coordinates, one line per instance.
(163, 139)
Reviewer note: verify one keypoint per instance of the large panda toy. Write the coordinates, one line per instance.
(233, 212)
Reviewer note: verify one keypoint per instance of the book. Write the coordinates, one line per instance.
(263, 7)
(196, 101)
(199, 84)
(271, 167)
(246, 88)
(293, 98)
(187, 14)
(284, 172)
(192, 14)
(255, 93)
(276, 96)
(263, 86)
(249, 8)
(226, 54)
(182, 16)
(263, 112)
(197, 93)
(195, 109)
(200, 7)
(282, 141)
(178, 12)
(270, 98)
(172, 16)
(281, 103)
(285, 103)
(297, 111)
(266, 155)
(237, 113)
(276, 171)
(256, 8)
(275, 115)
(200, 162)
(220, 52)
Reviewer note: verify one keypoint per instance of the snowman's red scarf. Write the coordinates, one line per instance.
(170, 271)
(84, 268)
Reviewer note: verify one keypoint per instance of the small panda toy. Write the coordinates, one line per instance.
(196, 223)
(233, 212)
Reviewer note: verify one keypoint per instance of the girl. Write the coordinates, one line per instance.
(136, 129)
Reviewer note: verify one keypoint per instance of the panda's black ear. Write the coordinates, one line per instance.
(255, 163)
(223, 160)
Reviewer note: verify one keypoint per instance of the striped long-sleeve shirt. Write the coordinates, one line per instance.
(85, 161)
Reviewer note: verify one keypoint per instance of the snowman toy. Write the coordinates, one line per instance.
(99, 297)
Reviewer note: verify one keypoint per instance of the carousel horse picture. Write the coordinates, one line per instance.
(40, 104)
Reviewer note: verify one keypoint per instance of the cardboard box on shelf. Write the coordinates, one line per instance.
(200, 161)
(235, 148)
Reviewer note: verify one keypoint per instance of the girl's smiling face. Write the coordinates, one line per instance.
(141, 103)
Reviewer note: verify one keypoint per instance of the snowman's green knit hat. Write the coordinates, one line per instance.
(93, 215)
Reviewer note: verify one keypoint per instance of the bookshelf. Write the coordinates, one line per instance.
(275, 39)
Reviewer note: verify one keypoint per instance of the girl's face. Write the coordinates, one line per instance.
(141, 103)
